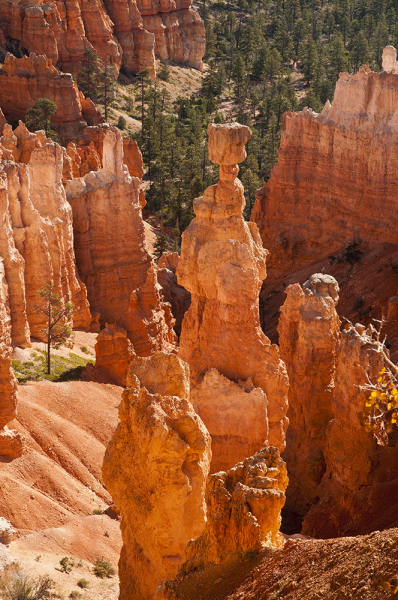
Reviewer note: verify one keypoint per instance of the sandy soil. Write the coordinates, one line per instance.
(50, 492)
(83, 540)
(58, 478)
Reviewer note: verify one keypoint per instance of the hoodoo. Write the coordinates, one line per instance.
(156, 467)
(309, 333)
(239, 382)
(126, 33)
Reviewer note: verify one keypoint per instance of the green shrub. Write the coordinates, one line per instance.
(83, 583)
(75, 594)
(62, 368)
(98, 511)
(65, 566)
(19, 586)
(122, 124)
(103, 568)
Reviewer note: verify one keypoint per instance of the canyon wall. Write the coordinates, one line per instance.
(10, 441)
(156, 467)
(24, 80)
(234, 367)
(334, 172)
(124, 33)
(309, 333)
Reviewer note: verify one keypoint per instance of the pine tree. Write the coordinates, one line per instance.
(88, 74)
(39, 116)
(106, 88)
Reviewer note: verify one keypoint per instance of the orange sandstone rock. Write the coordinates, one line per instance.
(237, 416)
(24, 80)
(148, 320)
(36, 242)
(334, 170)
(156, 467)
(243, 515)
(113, 353)
(61, 30)
(130, 32)
(133, 158)
(178, 297)
(309, 333)
(111, 255)
(358, 492)
(222, 265)
(10, 441)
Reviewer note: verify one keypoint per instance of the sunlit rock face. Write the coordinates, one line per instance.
(334, 171)
(156, 468)
(309, 334)
(235, 371)
(126, 32)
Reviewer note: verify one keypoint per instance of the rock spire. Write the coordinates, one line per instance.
(222, 265)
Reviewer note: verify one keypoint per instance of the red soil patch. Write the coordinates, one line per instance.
(67, 427)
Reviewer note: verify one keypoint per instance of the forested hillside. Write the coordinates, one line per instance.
(262, 59)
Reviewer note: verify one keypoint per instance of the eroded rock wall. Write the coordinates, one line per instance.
(36, 240)
(358, 492)
(111, 252)
(243, 516)
(309, 333)
(121, 32)
(222, 265)
(24, 80)
(10, 442)
(155, 468)
(334, 171)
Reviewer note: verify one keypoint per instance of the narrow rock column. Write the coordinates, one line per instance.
(156, 468)
(10, 441)
(309, 331)
(222, 265)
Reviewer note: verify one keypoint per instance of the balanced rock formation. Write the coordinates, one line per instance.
(334, 171)
(24, 80)
(36, 239)
(358, 492)
(155, 468)
(129, 33)
(309, 333)
(243, 515)
(222, 265)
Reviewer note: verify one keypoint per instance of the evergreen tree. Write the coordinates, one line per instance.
(39, 116)
(88, 74)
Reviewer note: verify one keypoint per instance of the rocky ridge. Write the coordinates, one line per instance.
(24, 80)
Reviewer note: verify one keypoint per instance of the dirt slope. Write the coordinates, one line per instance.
(67, 427)
(364, 568)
